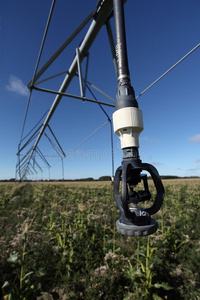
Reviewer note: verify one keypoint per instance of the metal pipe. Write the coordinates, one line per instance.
(84, 80)
(29, 140)
(80, 72)
(43, 41)
(120, 35)
(86, 73)
(112, 44)
(33, 168)
(24, 156)
(125, 92)
(90, 36)
(42, 157)
(38, 166)
(61, 48)
(100, 91)
(73, 96)
(19, 166)
(62, 169)
(63, 153)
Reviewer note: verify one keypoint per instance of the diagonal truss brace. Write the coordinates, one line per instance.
(100, 16)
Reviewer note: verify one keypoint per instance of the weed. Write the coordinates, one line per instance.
(61, 241)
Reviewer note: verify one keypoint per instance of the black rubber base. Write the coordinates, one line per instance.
(134, 230)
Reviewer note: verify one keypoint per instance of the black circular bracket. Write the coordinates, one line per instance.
(136, 220)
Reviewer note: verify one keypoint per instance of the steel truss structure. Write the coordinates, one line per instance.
(28, 163)
(29, 157)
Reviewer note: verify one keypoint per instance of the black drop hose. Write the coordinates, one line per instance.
(120, 35)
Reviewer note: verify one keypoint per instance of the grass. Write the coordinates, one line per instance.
(59, 241)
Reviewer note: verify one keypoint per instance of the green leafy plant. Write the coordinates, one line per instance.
(61, 241)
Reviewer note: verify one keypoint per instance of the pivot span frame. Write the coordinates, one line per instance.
(100, 16)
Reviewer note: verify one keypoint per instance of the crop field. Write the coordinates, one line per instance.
(59, 241)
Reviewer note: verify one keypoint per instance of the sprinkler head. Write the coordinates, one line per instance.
(144, 225)
(135, 230)
(135, 220)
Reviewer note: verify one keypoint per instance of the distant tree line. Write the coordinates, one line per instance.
(169, 177)
(105, 178)
(102, 178)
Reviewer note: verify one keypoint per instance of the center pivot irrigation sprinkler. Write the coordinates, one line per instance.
(128, 123)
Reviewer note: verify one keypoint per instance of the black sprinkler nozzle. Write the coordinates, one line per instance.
(135, 220)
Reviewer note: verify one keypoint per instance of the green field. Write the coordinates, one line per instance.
(59, 241)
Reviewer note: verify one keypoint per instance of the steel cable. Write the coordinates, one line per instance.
(176, 64)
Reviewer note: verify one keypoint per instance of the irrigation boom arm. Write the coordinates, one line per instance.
(102, 13)
(128, 123)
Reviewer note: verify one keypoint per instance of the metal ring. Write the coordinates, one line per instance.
(123, 76)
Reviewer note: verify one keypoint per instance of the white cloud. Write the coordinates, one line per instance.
(17, 86)
(194, 139)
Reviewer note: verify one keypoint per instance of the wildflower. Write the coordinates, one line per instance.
(101, 293)
(44, 218)
(81, 207)
(100, 271)
(192, 282)
(110, 255)
(16, 240)
(186, 236)
(178, 271)
(124, 258)
(158, 237)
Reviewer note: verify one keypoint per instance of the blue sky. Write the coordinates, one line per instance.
(159, 33)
